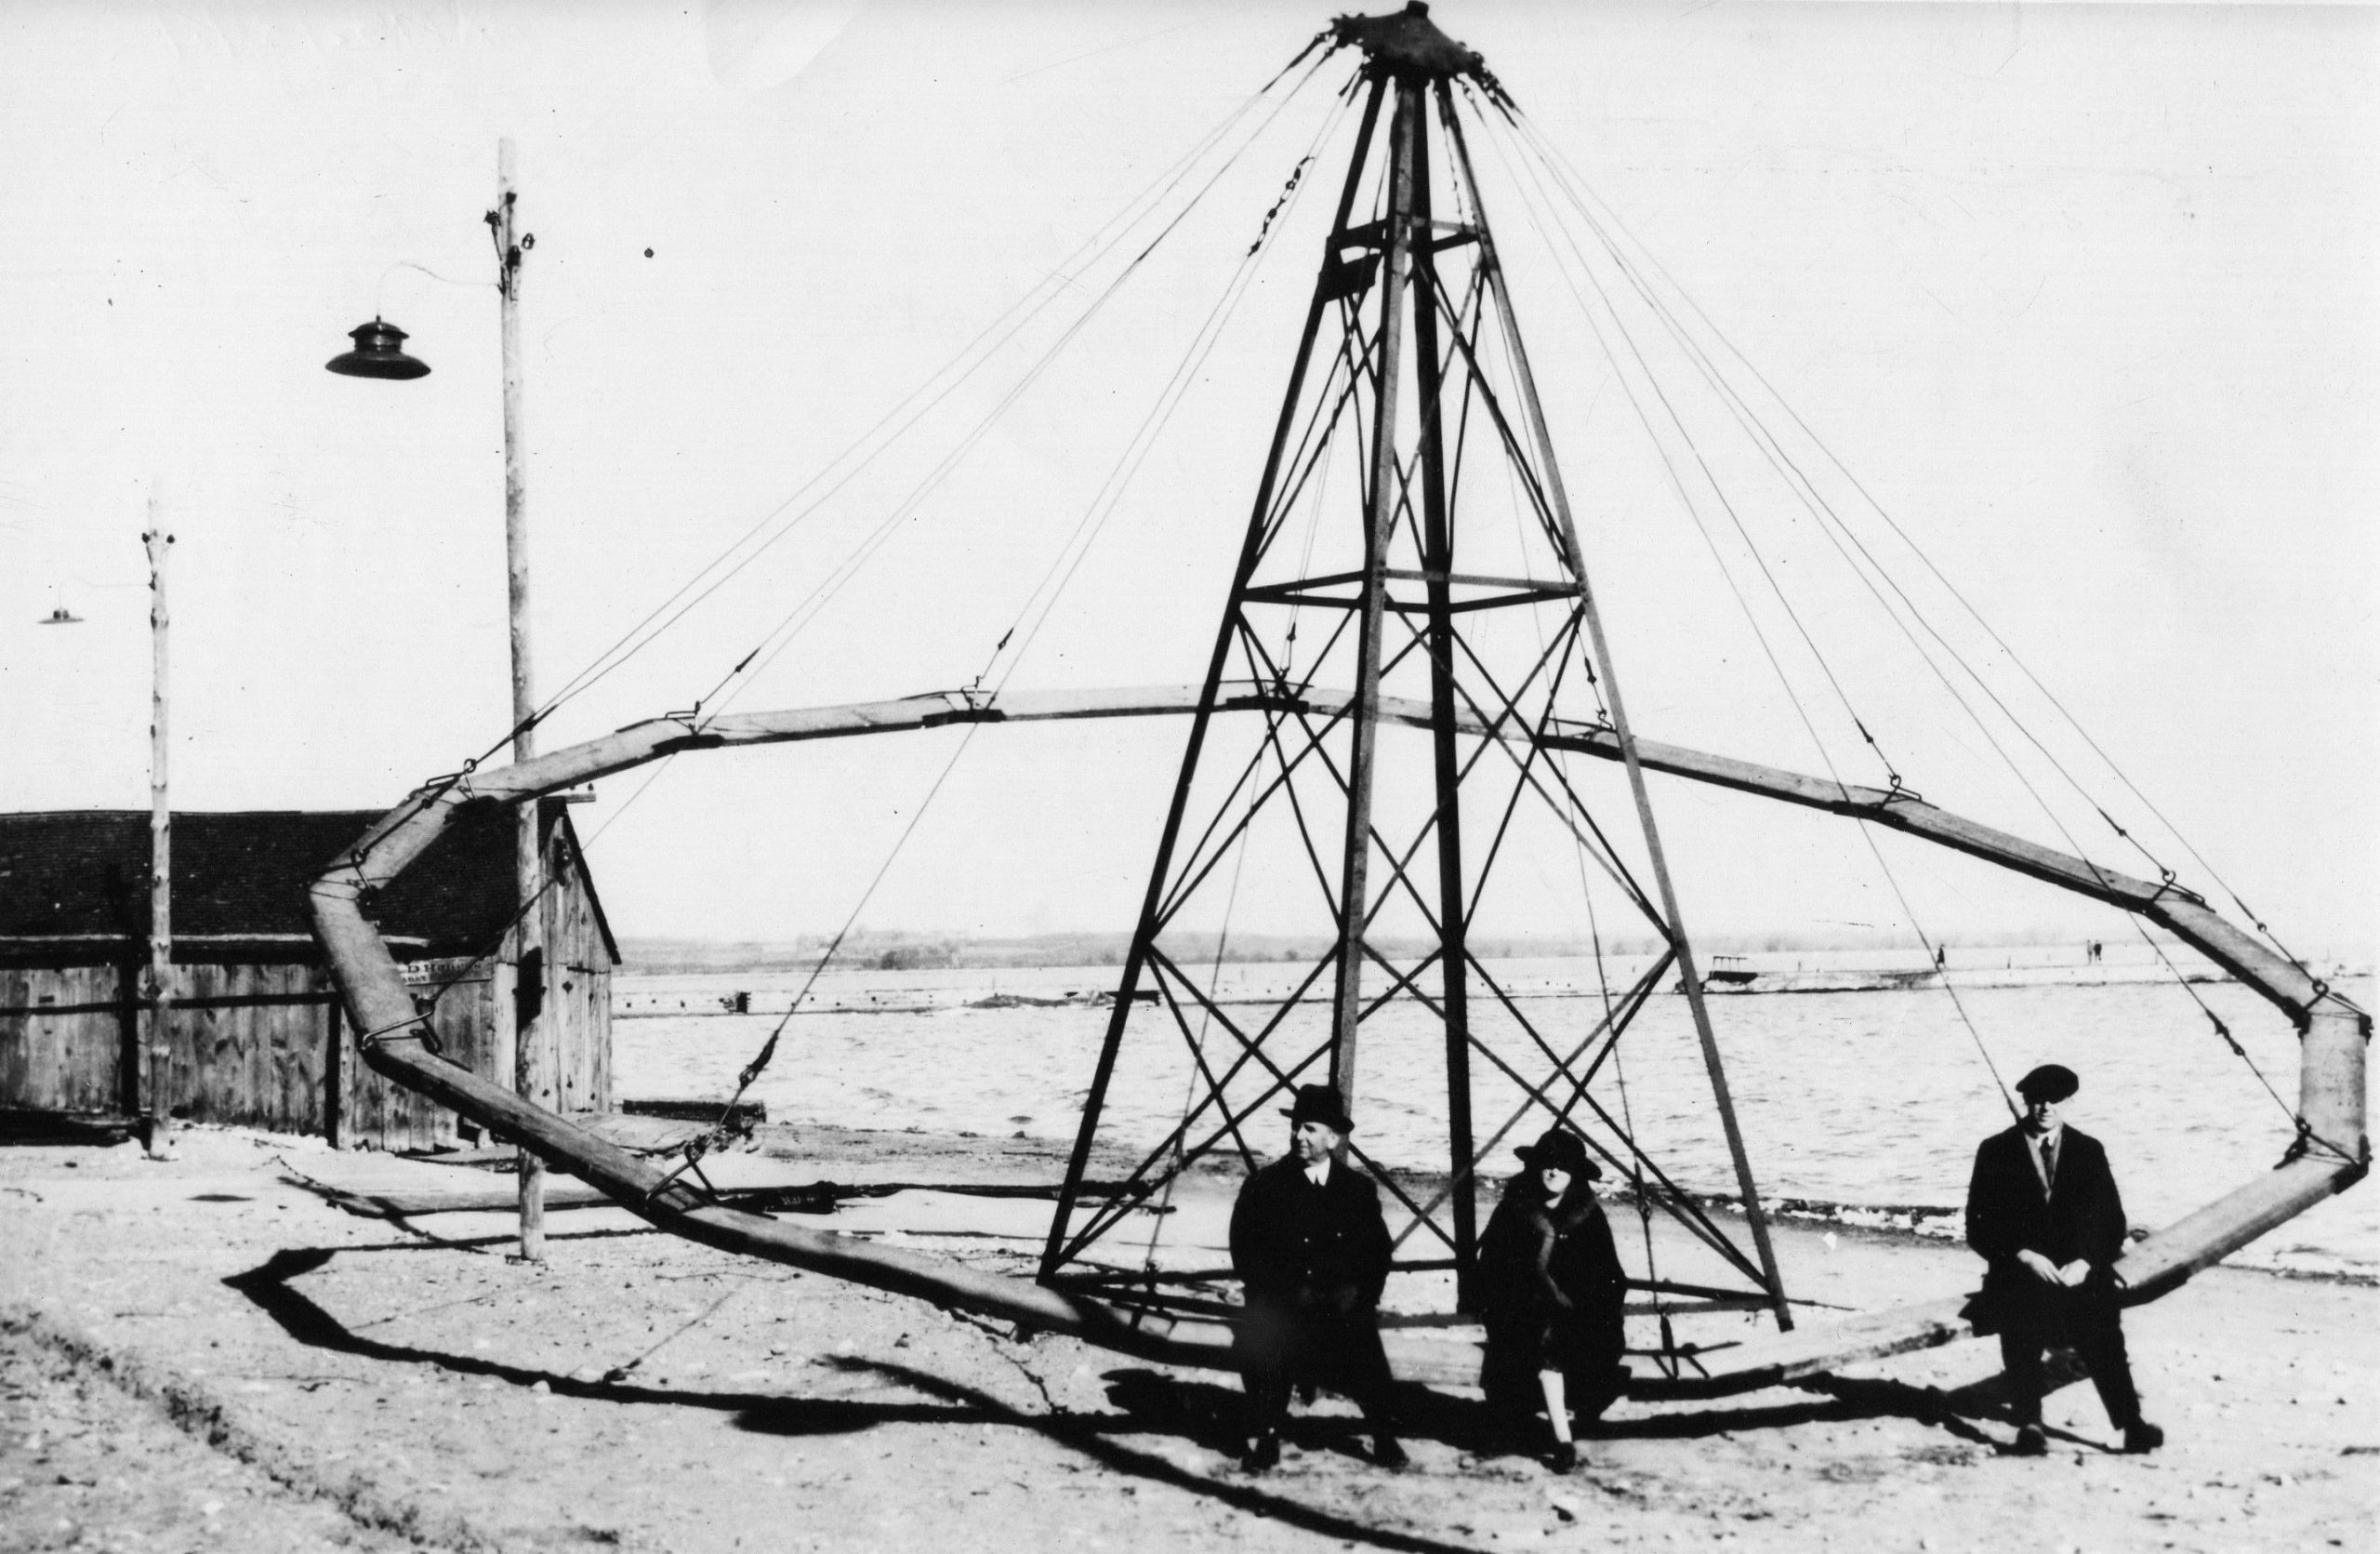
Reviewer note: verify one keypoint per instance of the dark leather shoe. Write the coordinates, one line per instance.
(1262, 1455)
(2142, 1436)
(2031, 1442)
(1387, 1453)
(1563, 1459)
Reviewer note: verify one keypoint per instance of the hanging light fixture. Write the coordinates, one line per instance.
(379, 353)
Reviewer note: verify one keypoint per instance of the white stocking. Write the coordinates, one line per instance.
(1557, 1408)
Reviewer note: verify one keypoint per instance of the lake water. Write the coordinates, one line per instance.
(1858, 1098)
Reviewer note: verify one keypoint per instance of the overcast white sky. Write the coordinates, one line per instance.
(2085, 295)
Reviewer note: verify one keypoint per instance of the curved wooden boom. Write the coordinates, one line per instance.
(2331, 1154)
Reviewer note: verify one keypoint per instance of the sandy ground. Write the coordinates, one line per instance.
(204, 1354)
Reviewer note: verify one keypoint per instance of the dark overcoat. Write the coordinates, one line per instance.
(1312, 1261)
(2081, 1215)
(1310, 1248)
(1551, 1292)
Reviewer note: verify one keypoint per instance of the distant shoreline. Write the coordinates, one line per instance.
(641, 993)
(928, 950)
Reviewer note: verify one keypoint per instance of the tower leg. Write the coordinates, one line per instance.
(1380, 524)
(1437, 537)
(1053, 1252)
(1689, 977)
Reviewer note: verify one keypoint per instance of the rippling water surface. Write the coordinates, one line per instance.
(1851, 1097)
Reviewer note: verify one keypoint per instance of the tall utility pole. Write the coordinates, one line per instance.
(150, 1079)
(531, 1070)
(521, 1032)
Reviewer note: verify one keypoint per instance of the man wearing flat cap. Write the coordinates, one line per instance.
(1311, 1250)
(2043, 1213)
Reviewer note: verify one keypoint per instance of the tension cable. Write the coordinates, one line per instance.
(1197, 1058)
(1110, 495)
(1005, 327)
(1826, 756)
(2221, 1029)
(729, 1128)
(798, 618)
(1577, 186)
(1694, 449)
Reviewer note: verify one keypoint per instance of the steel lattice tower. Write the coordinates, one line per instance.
(1409, 328)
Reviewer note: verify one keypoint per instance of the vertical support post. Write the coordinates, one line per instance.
(531, 1070)
(1689, 977)
(156, 1107)
(1252, 551)
(333, 1075)
(1437, 562)
(1379, 525)
(2330, 1082)
(132, 1019)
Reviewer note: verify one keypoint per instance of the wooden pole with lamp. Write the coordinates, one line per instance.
(522, 1031)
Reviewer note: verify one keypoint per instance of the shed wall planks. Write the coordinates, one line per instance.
(259, 1044)
(68, 1060)
(252, 1046)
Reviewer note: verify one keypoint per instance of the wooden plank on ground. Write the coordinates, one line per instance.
(501, 1197)
(1805, 1351)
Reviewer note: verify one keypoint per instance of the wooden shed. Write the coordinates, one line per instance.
(256, 1033)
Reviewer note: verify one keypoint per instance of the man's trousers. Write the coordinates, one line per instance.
(2085, 1320)
(1280, 1348)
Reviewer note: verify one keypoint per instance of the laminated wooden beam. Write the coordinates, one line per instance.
(383, 1008)
(2331, 1154)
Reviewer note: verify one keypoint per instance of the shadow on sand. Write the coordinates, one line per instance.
(271, 1287)
(1148, 1403)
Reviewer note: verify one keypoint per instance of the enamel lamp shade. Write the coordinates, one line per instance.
(379, 353)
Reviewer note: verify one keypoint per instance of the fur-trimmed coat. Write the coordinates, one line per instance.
(1550, 1289)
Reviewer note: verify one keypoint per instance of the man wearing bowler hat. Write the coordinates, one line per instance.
(2043, 1213)
(1311, 1249)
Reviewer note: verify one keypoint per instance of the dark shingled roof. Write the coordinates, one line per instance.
(86, 873)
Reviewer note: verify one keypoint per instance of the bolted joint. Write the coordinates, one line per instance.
(1407, 44)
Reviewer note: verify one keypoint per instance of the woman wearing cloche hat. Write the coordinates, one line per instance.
(1550, 1294)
